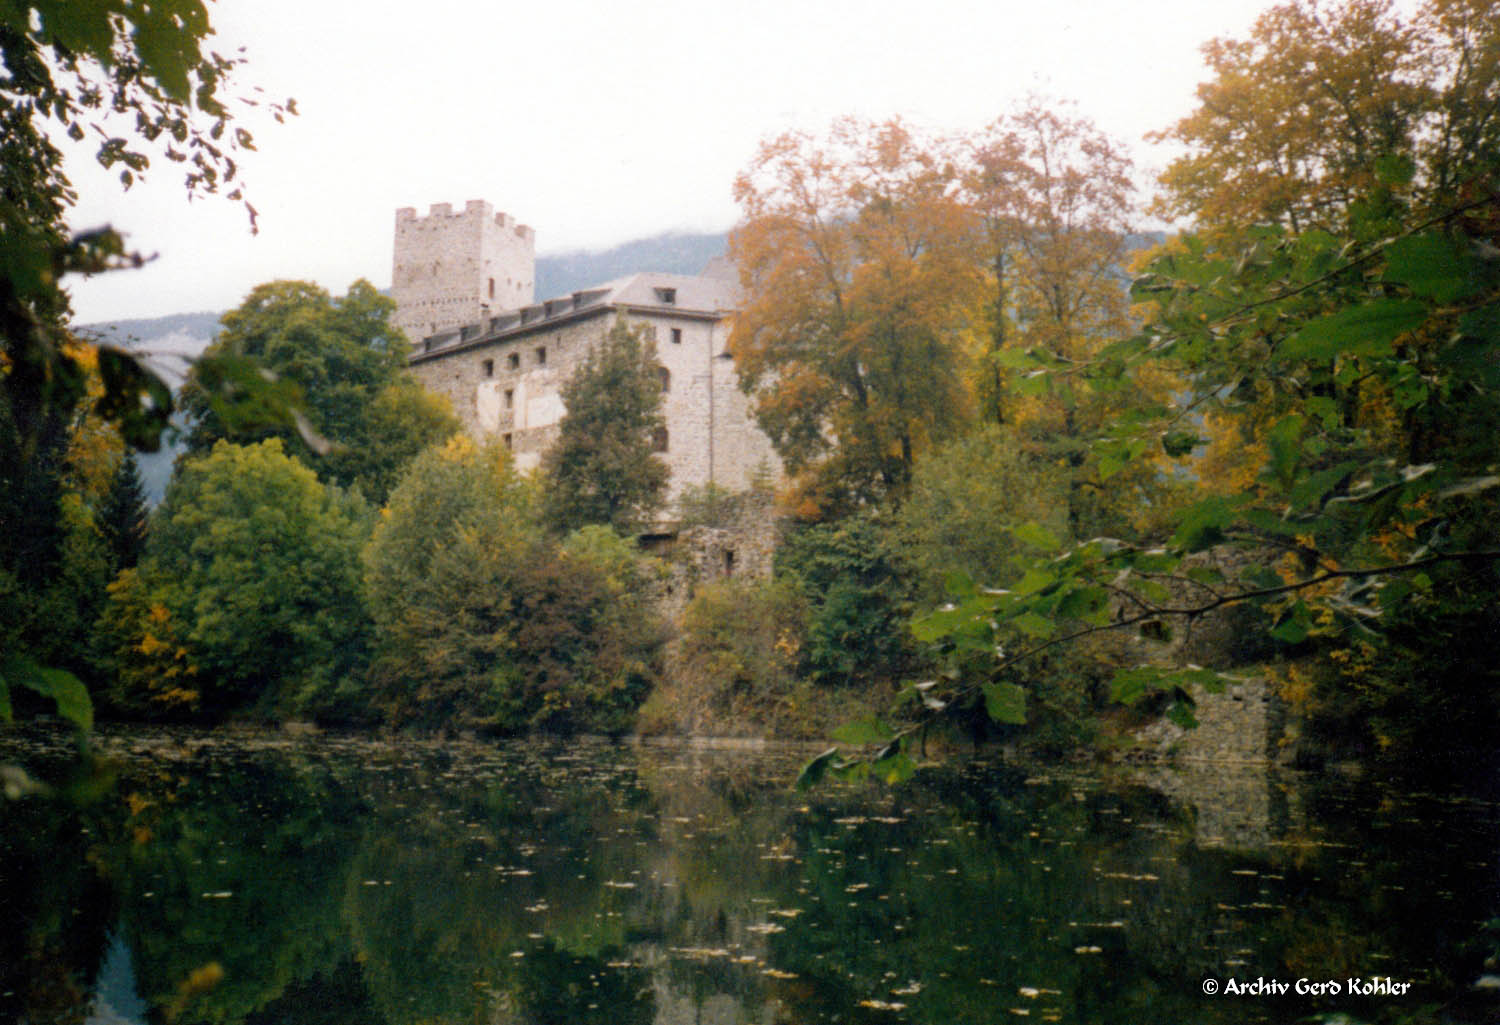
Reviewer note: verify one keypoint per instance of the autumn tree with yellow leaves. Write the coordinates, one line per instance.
(862, 307)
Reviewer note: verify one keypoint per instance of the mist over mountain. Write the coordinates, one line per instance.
(673, 253)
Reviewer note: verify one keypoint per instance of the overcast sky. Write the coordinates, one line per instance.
(597, 122)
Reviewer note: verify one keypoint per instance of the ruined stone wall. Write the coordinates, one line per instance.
(741, 544)
(452, 268)
(511, 388)
(1239, 724)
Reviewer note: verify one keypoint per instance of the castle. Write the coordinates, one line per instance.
(463, 286)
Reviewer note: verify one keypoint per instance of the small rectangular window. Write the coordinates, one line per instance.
(492, 288)
(489, 368)
(505, 438)
(513, 361)
(667, 296)
(510, 398)
(677, 336)
(541, 356)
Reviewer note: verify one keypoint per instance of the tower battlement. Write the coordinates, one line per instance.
(453, 268)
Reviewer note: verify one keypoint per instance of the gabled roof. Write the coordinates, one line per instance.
(688, 295)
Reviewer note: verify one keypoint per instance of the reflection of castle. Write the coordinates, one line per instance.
(463, 289)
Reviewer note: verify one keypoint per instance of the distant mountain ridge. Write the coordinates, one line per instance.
(172, 342)
(556, 274)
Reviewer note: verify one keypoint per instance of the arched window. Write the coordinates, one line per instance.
(664, 377)
(659, 440)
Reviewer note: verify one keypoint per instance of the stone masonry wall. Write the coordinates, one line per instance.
(511, 388)
(451, 269)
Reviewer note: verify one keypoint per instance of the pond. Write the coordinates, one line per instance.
(271, 879)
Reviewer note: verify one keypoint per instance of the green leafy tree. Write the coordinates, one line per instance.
(966, 498)
(68, 68)
(858, 594)
(483, 622)
(253, 567)
(603, 469)
(340, 363)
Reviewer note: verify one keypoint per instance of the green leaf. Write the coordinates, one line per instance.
(1037, 536)
(1083, 602)
(896, 768)
(1033, 625)
(1005, 702)
(1311, 490)
(1034, 580)
(66, 690)
(1202, 525)
(1014, 359)
(959, 584)
(1179, 443)
(813, 772)
(1209, 575)
(1432, 265)
(864, 731)
(1181, 713)
(1364, 330)
(1284, 439)
(5, 712)
(1151, 589)
(1294, 627)
(1325, 409)
(1131, 685)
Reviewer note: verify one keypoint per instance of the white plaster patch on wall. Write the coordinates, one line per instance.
(544, 410)
(487, 406)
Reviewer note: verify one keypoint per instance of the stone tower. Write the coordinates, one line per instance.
(453, 269)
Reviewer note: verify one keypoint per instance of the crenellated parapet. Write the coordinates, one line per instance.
(452, 268)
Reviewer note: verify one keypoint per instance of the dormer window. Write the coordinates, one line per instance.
(667, 296)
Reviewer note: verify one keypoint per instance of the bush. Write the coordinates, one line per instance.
(736, 669)
(485, 623)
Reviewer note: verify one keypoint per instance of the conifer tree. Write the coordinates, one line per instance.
(122, 515)
(602, 468)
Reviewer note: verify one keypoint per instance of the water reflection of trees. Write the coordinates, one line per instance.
(428, 884)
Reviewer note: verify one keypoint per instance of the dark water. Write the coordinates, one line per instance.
(271, 880)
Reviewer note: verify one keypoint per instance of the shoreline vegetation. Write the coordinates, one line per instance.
(1042, 485)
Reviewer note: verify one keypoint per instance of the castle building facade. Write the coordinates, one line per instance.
(462, 283)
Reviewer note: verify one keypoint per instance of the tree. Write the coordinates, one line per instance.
(1056, 200)
(483, 622)
(861, 306)
(340, 363)
(122, 515)
(69, 68)
(602, 468)
(253, 571)
(1347, 373)
(1301, 119)
(966, 498)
